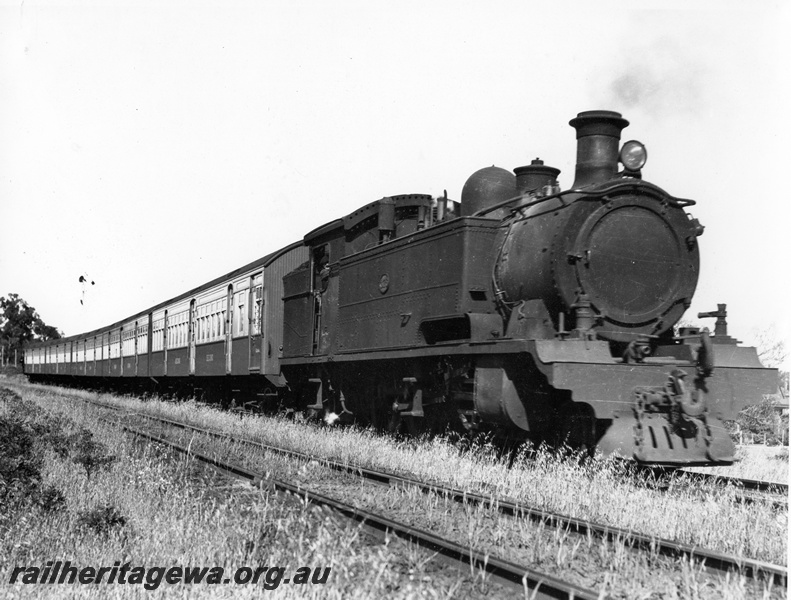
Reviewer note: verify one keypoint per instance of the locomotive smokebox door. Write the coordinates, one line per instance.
(633, 262)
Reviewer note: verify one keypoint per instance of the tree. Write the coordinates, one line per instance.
(771, 348)
(772, 353)
(20, 324)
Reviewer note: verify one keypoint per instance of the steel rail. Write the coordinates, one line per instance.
(745, 484)
(710, 559)
(539, 584)
(747, 490)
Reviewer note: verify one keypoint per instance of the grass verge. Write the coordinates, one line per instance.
(606, 490)
(74, 490)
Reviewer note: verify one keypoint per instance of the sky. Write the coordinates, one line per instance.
(151, 146)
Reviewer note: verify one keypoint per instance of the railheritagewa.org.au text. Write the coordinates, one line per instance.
(56, 572)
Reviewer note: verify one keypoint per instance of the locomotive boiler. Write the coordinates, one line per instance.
(540, 312)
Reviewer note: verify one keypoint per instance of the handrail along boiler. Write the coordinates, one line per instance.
(539, 312)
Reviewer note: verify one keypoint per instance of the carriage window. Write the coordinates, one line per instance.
(128, 340)
(177, 329)
(115, 343)
(157, 327)
(240, 313)
(210, 321)
(142, 336)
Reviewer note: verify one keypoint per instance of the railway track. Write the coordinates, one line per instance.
(519, 577)
(747, 490)
(751, 485)
(711, 561)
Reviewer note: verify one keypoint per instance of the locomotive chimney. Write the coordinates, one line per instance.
(598, 134)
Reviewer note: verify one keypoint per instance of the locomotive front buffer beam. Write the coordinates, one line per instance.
(662, 410)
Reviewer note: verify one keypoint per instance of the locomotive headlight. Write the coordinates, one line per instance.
(633, 155)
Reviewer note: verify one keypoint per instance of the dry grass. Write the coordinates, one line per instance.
(155, 510)
(602, 490)
(763, 463)
(585, 560)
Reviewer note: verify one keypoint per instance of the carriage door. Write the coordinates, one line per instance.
(228, 329)
(256, 320)
(191, 336)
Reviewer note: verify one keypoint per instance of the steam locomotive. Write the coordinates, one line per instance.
(538, 312)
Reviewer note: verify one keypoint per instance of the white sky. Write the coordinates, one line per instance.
(156, 145)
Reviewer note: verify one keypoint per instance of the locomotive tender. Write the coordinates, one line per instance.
(539, 312)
